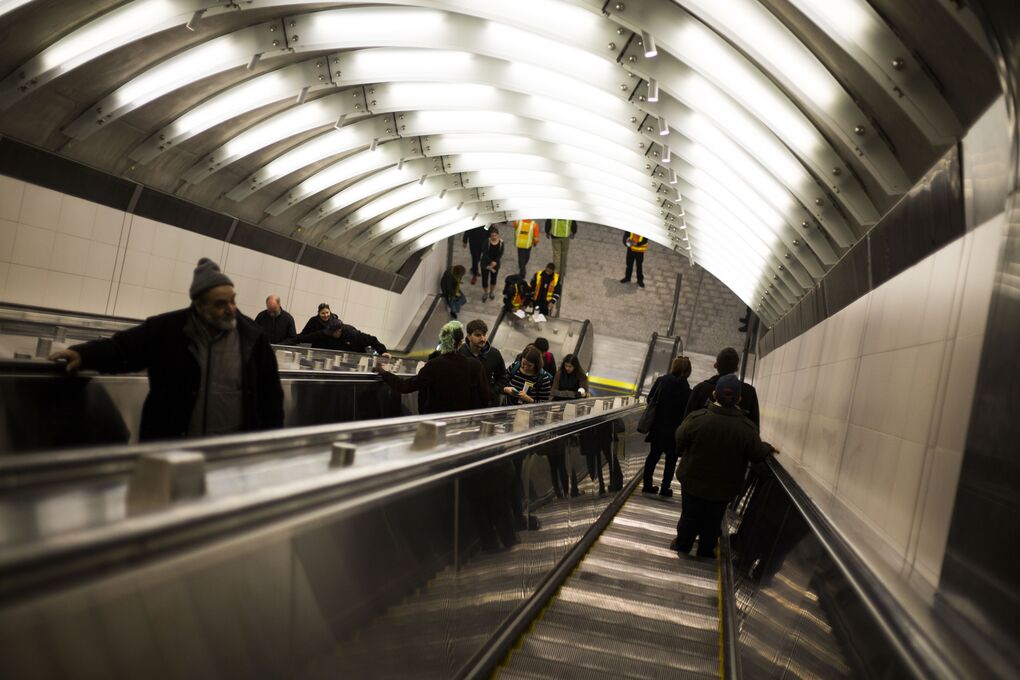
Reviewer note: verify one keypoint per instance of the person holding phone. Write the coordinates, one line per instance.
(526, 382)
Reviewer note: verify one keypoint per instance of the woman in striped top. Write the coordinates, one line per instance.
(526, 382)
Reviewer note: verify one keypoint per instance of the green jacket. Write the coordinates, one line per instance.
(717, 443)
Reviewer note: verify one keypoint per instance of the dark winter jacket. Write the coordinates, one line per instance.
(717, 443)
(452, 382)
(160, 346)
(495, 367)
(449, 286)
(515, 286)
(492, 253)
(279, 329)
(670, 394)
(565, 385)
(350, 340)
(701, 396)
(477, 237)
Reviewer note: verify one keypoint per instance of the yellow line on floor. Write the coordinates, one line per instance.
(612, 383)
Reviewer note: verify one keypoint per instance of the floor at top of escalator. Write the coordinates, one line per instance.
(633, 608)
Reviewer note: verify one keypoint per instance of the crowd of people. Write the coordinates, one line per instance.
(212, 371)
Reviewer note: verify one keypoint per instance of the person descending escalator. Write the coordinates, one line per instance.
(715, 444)
(569, 383)
(669, 394)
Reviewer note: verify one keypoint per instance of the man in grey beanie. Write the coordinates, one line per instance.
(211, 369)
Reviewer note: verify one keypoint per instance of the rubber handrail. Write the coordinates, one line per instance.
(729, 655)
(647, 362)
(421, 326)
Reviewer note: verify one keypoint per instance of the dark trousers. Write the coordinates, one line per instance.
(523, 255)
(489, 276)
(633, 258)
(476, 255)
(542, 305)
(652, 460)
(701, 519)
(558, 473)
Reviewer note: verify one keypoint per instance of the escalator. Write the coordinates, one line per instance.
(387, 561)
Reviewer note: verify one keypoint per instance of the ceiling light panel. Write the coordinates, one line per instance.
(114, 29)
(208, 58)
(393, 199)
(286, 83)
(350, 168)
(416, 27)
(775, 50)
(701, 112)
(857, 28)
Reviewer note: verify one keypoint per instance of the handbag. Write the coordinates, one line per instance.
(644, 425)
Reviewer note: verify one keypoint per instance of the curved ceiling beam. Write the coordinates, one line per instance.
(772, 48)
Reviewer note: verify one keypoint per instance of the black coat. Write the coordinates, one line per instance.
(350, 340)
(701, 395)
(716, 444)
(670, 394)
(160, 346)
(495, 368)
(452, 382)
(279, 329)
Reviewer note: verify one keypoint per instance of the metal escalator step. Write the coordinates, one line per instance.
(655, 560)
(611, 661)
(624, 625)
(699, 658)
(610, 565)
(532, 666)
(702, 619)
(639, 590)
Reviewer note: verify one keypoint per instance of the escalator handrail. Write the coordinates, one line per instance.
(498, 321)
(485, 661)
(922, 655)
(646, 363)
(678, 346)
(421, 326)
(729, 654)
(34, 568)
(585, 329)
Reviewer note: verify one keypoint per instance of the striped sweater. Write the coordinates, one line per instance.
(539, 387)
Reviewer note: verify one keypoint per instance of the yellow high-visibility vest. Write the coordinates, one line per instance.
(640, 243)
(526, 232)
(551, 290)
(560, 228)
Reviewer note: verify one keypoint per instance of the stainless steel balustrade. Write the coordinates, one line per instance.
(300, 569)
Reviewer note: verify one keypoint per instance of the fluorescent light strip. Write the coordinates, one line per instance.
(285, 83)
(760, 35)
(207, 59)
(393, 199)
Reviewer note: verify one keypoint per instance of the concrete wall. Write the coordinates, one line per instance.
(870, 408)
(63, 252)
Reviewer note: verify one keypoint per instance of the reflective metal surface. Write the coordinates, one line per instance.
(406, 573)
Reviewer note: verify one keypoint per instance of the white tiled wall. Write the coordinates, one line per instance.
(67, 253)
(871, 407)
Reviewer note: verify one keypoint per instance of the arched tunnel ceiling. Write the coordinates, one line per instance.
(760, 138)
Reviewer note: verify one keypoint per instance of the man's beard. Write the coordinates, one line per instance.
(220, 323)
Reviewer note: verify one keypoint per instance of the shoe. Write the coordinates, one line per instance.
(649, 489)
(574, 493)
(640, 284)
(485, 298)
(615, 487)
(533, 523)
(625, 280)
(666, 493)
(492, 296)
(474, 279)
(602, 490)
(673, 545)
(453, 314)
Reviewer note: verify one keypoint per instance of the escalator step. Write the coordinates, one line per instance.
(611, 663)
(612, 623)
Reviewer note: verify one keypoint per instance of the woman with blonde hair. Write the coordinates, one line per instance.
(669, 394)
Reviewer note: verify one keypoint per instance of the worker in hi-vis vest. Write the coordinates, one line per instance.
(560, 232)
(636, 247)
(546, 289)
(525, 238)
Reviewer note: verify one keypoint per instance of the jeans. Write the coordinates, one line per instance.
(701, 519)
(456, 303)
(633, 258)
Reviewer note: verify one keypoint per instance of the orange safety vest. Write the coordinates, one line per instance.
(518, 300)
(527, 233)
(640, 242)
(551, 291)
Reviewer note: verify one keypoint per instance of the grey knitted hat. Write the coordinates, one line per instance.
(207, 275)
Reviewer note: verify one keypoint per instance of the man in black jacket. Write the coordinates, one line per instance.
(478, 346)
(326, 331)
(476, 238)
(211, 369)
(726, 362)
(715, 444)
(276, 323)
